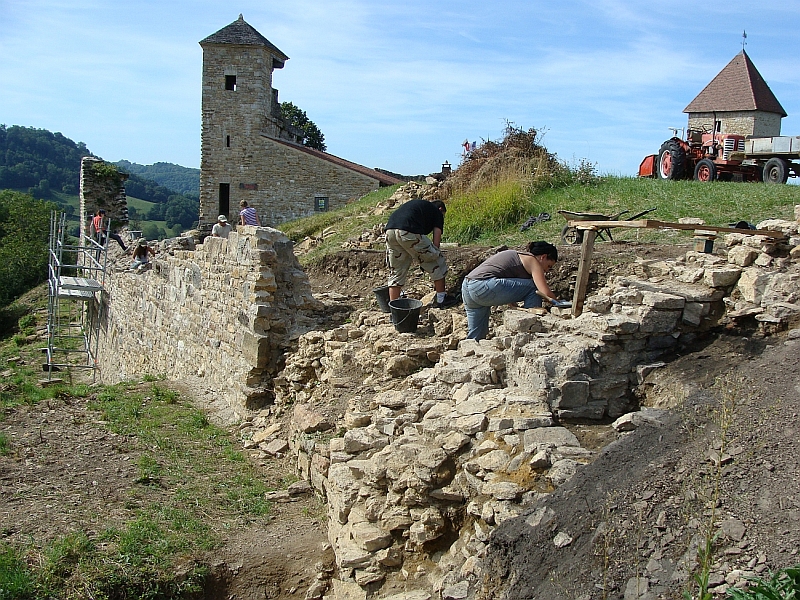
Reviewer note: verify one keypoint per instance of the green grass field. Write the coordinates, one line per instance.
(494, 215)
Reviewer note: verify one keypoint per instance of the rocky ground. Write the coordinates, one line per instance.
(726, 453)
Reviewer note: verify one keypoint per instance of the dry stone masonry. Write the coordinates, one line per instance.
(223, 313)
(446, 438)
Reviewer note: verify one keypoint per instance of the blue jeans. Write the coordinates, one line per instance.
(480, 295)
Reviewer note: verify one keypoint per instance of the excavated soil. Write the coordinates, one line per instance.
(635, 510)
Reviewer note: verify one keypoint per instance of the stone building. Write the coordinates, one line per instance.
(737, 100)
(249, 152)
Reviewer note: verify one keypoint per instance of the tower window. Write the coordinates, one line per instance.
(320, 203)
(227, 141)
(230, 82)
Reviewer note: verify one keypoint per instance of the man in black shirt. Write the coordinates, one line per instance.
(407, 242)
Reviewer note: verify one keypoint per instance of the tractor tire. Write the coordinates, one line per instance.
(571, 236)
(671, 160)
(776, 170)
(705, 171)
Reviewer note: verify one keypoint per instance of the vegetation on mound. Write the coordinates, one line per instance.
(501, 184)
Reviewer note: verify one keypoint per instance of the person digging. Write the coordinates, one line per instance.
(407, 242)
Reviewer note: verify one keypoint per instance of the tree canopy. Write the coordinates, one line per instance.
(298, 118)
(24, 234)
(39, 161)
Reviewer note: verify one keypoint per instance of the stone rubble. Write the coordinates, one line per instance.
(446, 438)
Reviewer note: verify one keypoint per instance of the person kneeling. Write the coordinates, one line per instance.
(508, 277)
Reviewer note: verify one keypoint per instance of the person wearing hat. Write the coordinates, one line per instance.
(221, 228)
(141, 254)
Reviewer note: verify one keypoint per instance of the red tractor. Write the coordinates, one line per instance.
(703, 156)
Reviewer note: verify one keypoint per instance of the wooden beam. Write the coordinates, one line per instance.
(584, 269)
(653, 224)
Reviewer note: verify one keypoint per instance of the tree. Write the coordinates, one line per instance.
(24, 233)
(298, 118)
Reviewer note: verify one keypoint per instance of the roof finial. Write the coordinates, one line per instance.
(744, 39)
(241, 18)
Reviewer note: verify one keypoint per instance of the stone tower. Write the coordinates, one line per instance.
(239, 105)
(250, 153)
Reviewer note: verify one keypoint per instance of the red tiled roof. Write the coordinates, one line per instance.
(739, 86)
(381, 177)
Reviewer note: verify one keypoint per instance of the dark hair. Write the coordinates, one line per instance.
(440, 205)
(539, 248)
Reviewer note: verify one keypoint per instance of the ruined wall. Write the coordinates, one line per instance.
(755, 123)
(223, 312)
(102, 186)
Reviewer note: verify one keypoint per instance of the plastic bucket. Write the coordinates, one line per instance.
(405, 314)
(382, 296)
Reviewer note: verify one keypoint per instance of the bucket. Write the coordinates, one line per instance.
(382, 296)
(405, 314)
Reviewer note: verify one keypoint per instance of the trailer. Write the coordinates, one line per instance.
(774, 155)
(706, 156)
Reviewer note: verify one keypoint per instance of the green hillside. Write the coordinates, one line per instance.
(183, 180)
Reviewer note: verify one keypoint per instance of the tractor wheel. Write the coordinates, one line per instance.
(571, 236)
(671, 160)
(776, 171)
(705, 170)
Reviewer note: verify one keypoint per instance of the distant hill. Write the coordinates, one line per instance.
(39, 161)
(183, 180)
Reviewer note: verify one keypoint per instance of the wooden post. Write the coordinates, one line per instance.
(584, 269)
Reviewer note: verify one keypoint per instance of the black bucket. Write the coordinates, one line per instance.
(382, 296)
(405, 314)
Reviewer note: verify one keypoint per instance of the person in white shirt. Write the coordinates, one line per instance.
(221, 228)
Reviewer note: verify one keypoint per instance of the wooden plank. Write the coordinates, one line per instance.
(654, 224)
(80, 283)
(584, 269)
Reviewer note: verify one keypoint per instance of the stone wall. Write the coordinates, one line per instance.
(754, 123)
(102, 186)
(223, 312)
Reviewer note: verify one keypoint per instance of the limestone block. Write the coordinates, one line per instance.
(362, 439)
(592, 410)
(348, 590)
(390, 557)
(496, 460)
(658, 321)
(597, 304)
(373, 574)
(307, 420)
(428, 526)
(782, 311)
(662, 301)
(370, 537)
(395, 517)
(573, 394)
(502, 490)
(412, 595)
(401, 365)
(320, 464)
(562, 470)
(438, 410)
(533, 439)
(720, 277)
(470, 424)
(452, 442)
(275, 447)
(453, 373)
(450, 493)
(540, 460)
(782, 287)
(353, 419)
(500, 423)
(543, 516)
(256, 349)
(394, 399)
(458, 591)
(763, 260)
(752, 284)
(627, 297)
(532, 422)
(694, 312)
(620, 324)
(521, 321)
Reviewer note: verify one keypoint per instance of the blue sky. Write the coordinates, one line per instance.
(395, 84)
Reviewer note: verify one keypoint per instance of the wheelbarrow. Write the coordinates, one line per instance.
(572, 235)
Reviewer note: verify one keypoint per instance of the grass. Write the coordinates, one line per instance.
(493, 215)
(191, 487)
(783, 585)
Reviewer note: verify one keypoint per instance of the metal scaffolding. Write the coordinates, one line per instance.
(75, 305)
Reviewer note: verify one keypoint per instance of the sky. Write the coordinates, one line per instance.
(394, 84)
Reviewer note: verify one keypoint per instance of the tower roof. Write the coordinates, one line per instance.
(739, 86)
(242, 33)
